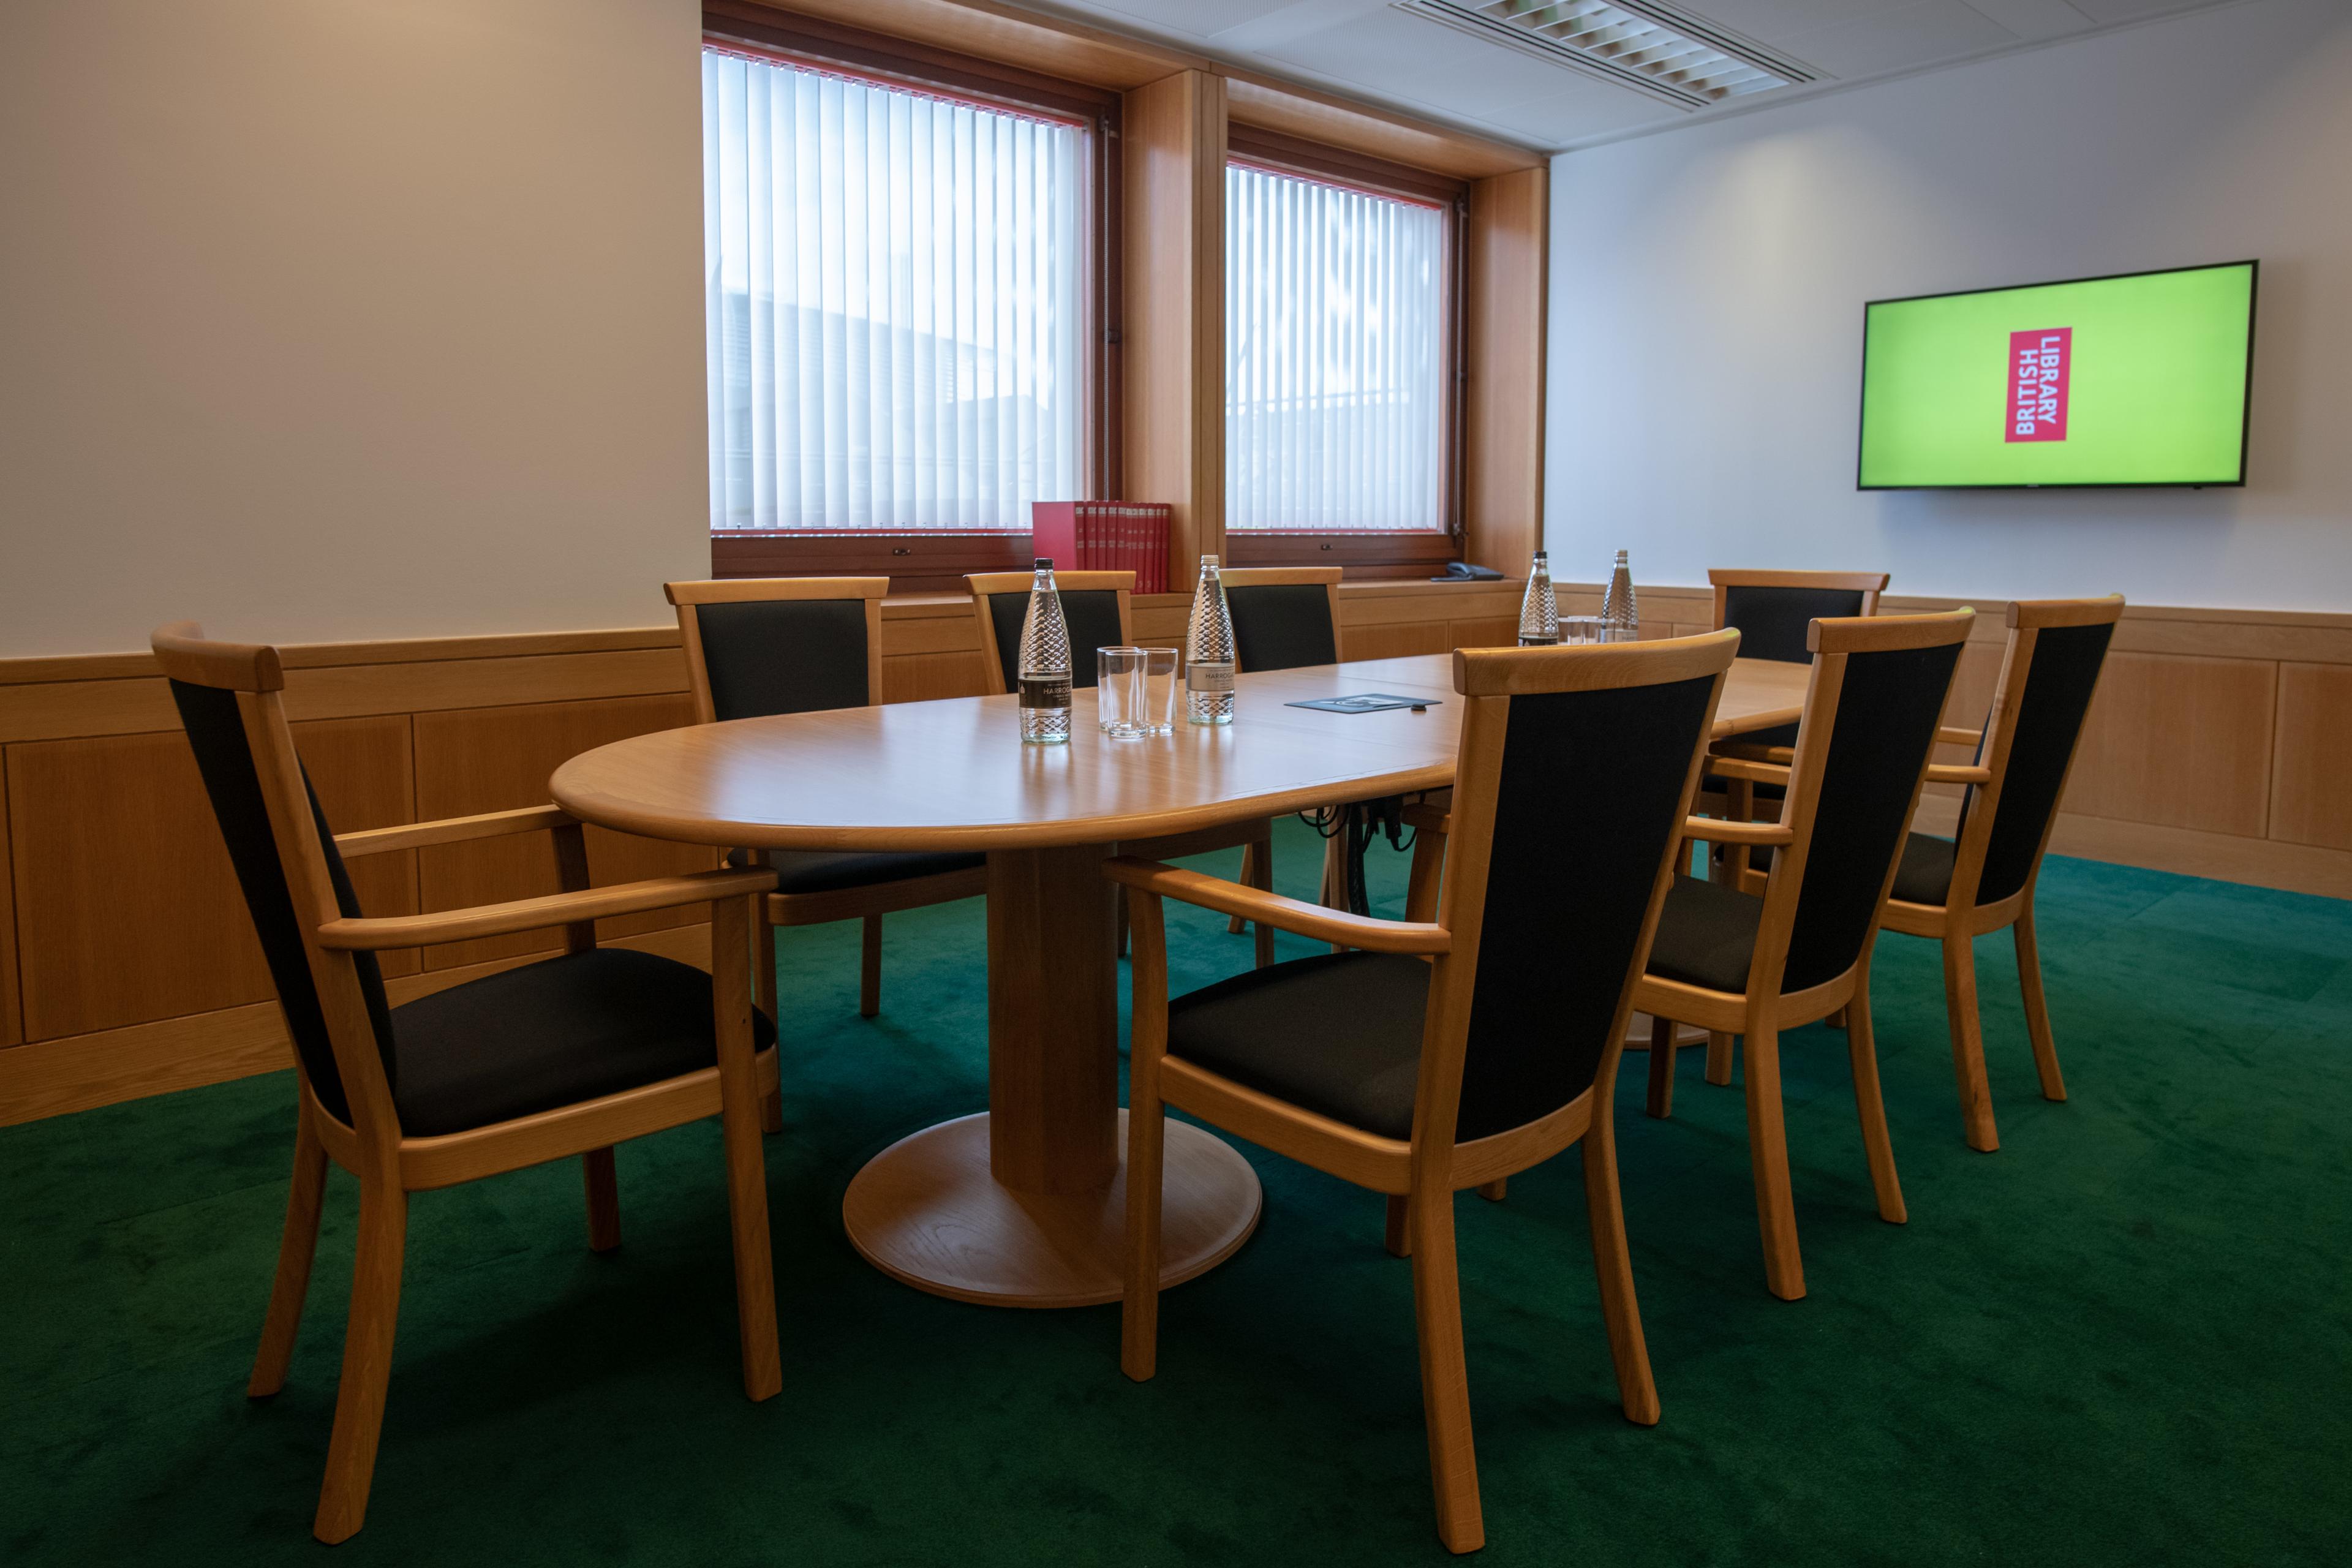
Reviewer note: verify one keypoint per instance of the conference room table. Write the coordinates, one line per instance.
(1023, 1205)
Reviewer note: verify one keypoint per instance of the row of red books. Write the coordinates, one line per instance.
(1106, 536)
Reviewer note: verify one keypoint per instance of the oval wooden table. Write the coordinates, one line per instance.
(1023, 1205)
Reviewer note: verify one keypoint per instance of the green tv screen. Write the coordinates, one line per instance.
(2139, 380)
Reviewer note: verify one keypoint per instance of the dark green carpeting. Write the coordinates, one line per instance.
(2123, 1339)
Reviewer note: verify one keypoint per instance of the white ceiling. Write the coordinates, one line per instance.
(1369, 49)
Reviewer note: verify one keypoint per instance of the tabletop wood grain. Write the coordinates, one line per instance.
(955, 774)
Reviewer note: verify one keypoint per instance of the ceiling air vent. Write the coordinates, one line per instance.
(1634, 43)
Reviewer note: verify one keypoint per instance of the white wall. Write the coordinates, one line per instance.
(1707, 286)
(348, 319)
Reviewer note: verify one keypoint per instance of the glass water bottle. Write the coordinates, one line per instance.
(1044, 663)
(1539, 611)
(1209, 651)
(1620, 619)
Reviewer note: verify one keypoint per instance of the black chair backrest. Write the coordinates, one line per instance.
(784, 656)
(1282, 625)
(1887, 711)
(1772, 622)
(1091, 613)
(2059, 682)
(1576, 855)
(216, 727)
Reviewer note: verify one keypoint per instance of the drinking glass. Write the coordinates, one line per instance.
(1580, 629)
(1118, 692)
(1158, 687)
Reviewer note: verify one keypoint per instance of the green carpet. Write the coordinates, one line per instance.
(2125, 1337)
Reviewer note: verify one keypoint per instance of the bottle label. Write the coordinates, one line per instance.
(1044, 691)
(1210, 677)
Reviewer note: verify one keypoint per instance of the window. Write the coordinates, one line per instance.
(898, 309)
(1338, 375)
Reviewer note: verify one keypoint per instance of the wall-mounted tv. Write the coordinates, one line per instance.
(2134, 380)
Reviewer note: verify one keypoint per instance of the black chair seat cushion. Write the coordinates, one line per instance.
(830, 870)
(1338, 1035)
(552, 1033)
(1923, 876)
(1707, 934)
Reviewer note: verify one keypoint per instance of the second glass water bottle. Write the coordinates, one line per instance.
(1209, 651)
(1044, 663)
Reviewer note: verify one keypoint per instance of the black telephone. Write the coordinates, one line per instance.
(1463, 572)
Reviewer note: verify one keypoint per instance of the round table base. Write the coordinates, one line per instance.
(927, 1212)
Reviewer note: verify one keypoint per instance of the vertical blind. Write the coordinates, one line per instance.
(893, 290)
(1335, 383)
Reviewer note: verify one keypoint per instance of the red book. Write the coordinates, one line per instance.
(1053, 529)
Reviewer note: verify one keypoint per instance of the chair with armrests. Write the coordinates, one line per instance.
(757, 646)
(1792, 945)
(1772, 611)
(1096, 606)
(1434, 1056)
(567, 1055)
(1982, 877)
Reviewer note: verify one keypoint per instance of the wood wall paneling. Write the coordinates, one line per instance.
(128, 909)
(495, 759)
(2313, 758)
(12, 1017)
(1503, 402)
(2179, 742)
(1172, 343)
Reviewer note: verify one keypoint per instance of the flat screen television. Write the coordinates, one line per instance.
(2134, 380)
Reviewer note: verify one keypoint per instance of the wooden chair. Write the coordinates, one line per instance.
(1771, 611)
(566, 1056)
(1448, 1054)
(1982, 879)
(1098, 609)
(1793, 945)
(762, 646)
(1285, 617)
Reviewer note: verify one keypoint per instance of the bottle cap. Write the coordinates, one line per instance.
(1541, 555)
(1042, 563)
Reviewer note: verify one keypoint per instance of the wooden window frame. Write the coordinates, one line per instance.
(1384, 552)
(937, 559)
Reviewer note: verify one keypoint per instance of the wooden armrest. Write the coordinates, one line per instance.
(1428, 819)
(1945, 773)
(452, 830)
(1721, 831)
(1948, 735)
(1754, 773)
(553, 910)
(1749, 751)
(1285, 914)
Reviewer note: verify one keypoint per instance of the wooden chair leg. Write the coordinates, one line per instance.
(1445, 1373)
(1399, 1239)
(1496, 1191)
(1967, 1044)
(367, 1362)
(1261, 869)
(1612, 1263)
(1862, 1050)
(1248, 878)
(296, 1248)
(869, 969)
(1768, 1154)
(1139, 1317)
(763, 991)
(1118, 915)
(747, 1174)
(2037, 1006)
(604, 1200)
(1718, 1058)
(1662, 1066)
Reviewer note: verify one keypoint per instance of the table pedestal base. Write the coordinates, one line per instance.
(927, 1211)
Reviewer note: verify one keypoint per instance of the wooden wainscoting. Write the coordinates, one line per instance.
(2213, 749)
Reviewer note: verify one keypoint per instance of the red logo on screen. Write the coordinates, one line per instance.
(2039, 366)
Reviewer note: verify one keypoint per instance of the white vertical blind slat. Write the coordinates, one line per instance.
(893, 303)
(1335, 388)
